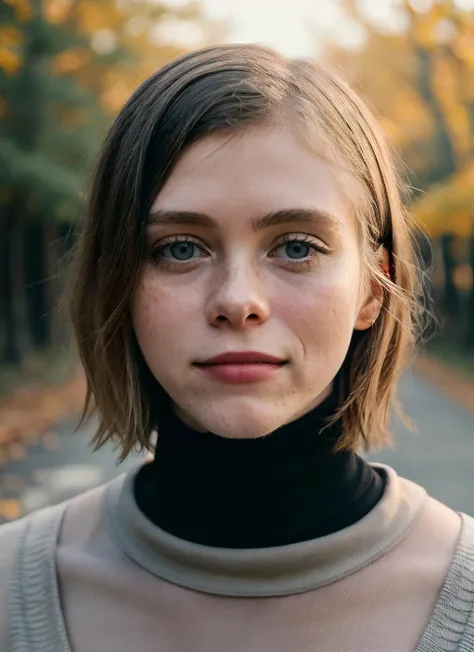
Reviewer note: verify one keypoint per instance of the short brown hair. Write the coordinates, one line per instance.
(219, 89)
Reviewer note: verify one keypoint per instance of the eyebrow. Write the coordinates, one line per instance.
(276, 218)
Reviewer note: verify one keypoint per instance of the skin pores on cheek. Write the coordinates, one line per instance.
(321, 311)
(238, 294)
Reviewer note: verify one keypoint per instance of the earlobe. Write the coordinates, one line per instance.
(370, 312)
(368, 315)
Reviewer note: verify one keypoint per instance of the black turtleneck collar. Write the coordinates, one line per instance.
(280, 489)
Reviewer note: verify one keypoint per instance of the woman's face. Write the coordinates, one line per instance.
(251, 251)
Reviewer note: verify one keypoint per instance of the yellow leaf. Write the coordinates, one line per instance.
(69, 61)
(10, 509)
(23, 9)
(9, 61)
(56, 11)
(10, 37)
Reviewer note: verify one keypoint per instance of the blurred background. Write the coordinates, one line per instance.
(66, 68)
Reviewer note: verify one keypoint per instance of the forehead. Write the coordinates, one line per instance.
(259, 170)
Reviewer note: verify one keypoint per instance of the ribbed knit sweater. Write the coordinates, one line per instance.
(287, 487)
(95, 574)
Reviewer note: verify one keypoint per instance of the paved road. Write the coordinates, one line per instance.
(440, 457)
(55, 469)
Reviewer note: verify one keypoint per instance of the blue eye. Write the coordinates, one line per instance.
(296, 249)
(176, 252)
(180, 250)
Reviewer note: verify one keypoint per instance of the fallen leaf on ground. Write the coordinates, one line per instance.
(33, 411)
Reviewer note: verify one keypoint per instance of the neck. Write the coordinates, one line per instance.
(280, 489)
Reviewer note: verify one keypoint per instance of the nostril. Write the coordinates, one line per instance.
(237, 319)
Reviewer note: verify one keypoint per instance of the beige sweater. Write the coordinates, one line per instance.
(94, 575)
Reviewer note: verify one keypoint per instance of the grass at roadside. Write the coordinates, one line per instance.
(33, 400)
(38, 368)
(450, 355)
(451, 370)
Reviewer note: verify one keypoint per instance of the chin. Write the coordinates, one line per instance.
(241, 422)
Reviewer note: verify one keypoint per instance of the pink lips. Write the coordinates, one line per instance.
(241, 366)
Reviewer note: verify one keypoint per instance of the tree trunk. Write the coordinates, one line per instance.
(451, 299)
(442, 137)
(16, 341)
(10, 353)
(39, 315)
(470, 302)
(55, 251)
(17, 263)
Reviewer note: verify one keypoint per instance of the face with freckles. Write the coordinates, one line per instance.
(252, 286)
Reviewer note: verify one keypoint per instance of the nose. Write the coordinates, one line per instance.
(239, 299)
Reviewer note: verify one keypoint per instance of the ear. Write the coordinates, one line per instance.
(372, 306)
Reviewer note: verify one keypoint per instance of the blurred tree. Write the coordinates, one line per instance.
(419, 76)
(42, 155)
(66, 67)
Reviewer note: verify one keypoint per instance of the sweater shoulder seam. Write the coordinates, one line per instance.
(35, 623)
(451, 625)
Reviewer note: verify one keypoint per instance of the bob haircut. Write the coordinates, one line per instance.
(225, 89)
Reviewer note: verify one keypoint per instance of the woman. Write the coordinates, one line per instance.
(245, 285)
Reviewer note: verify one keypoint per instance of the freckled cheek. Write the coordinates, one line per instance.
(319, 313)
(161, 312)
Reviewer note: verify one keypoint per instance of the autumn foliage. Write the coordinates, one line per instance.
(418, 73)
(66, 68)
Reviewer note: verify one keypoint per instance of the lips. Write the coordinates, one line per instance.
(243, 357)
(238, 367)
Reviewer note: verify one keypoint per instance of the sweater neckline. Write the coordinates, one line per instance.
(35, 595)
(263, 572)
(280, 489)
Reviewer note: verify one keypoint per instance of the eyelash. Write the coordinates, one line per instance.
(317, 249)
(308, 261)
(157, 251)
